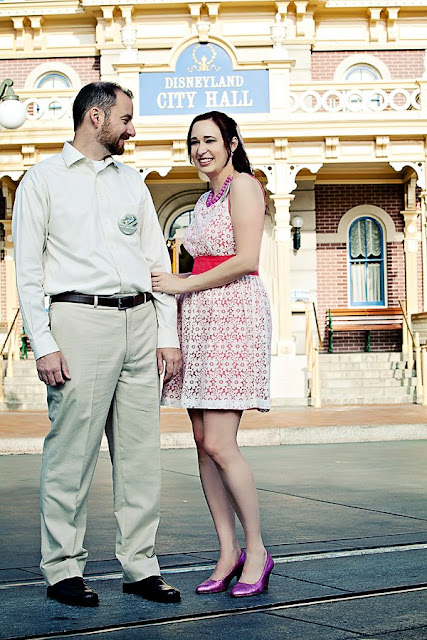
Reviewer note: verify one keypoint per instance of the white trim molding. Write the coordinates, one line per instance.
(268, 171)
(361, 58)
(294, 169)
(13, 175)
(418, 167)
(162, 171)
(52, 66)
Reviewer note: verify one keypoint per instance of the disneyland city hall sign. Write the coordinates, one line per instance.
(204, 80)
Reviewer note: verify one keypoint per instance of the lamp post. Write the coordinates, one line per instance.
(297, 223)
(12, 112)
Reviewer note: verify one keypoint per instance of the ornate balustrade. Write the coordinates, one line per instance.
(349, 98)
(41, 105)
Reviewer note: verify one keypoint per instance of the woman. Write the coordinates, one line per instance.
(225, 332)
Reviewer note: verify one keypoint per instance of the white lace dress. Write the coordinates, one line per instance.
(225, 332)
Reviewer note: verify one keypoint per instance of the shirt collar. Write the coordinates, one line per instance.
(72, 155)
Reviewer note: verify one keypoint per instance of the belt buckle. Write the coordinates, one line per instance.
(121, 305)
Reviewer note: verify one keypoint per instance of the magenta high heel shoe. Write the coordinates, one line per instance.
(217, 586)
(242, 589)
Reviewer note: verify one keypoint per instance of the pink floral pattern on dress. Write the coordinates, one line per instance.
(225, 332)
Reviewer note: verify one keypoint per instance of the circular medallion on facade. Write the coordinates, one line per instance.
(128, 223)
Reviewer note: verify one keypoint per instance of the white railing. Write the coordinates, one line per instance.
(49, 108)
(11, 347)
(313, 343)
(414, 354)
(369, 97)
(42, 105)
(304, 98)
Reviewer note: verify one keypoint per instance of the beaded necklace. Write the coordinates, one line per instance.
(211, 199)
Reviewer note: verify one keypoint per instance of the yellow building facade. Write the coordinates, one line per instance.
(331, 99)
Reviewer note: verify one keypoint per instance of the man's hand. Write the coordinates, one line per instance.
(53, 369)
(172, 360)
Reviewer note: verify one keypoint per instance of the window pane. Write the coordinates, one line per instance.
(358, 240)
(362, 73)
(358, 282)
(53, 81)
(366, 262)
(373, 239)
(181, 222)
(373, 289)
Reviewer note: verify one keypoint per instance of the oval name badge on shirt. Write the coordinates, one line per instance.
(128, 223)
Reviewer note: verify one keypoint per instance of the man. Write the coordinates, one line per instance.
(87, 235)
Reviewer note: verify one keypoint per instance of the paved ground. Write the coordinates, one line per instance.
(346, 524)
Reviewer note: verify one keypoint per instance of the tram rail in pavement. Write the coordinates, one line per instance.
(147, 618)
(346, 524)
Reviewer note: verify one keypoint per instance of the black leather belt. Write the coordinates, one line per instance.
(126, 302)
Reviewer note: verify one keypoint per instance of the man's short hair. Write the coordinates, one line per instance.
(96, 94)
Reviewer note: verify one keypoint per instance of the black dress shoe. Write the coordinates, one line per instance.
(73, 591)
(153, 588)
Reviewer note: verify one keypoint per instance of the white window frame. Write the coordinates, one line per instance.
(361, 59)
(53, 74)
(46, 68)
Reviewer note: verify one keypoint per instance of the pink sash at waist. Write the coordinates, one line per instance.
(205, 263)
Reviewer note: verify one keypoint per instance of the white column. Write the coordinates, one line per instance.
(411, 241)
(283, 244)
(423, 197)
(11, 291)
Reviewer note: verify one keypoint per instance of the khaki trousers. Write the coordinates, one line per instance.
(114, 386)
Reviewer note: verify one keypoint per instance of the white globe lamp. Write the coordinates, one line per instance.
(12, 112)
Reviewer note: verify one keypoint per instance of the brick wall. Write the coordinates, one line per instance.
(355, 341)
(332, 202)
(402, 64)
(396, 287)
(87, 68)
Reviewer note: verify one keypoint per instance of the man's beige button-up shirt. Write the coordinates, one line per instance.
(67, 238)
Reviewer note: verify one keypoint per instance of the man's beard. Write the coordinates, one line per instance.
(113, 145)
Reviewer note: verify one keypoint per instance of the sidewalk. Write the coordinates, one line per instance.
(23, 432)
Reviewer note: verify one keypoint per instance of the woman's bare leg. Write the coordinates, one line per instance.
(218, 501)
(220, 445)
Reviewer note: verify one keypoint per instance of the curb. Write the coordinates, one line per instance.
(274, 436)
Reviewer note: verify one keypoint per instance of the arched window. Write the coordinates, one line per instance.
(181, 260)
(366, 257)
(362, 73)
(53, 80)
(182, 221)
(361, 67)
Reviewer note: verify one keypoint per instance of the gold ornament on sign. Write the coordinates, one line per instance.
(203, 64)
